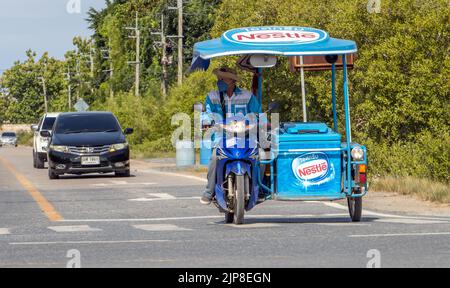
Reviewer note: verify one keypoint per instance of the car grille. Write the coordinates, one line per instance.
(89, 150)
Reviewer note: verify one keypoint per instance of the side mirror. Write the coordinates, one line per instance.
(46, 134)
(128, 131)
(198, 107)
(34, 127)
(273, 106)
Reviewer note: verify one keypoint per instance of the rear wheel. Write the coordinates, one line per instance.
(34, 159)
(355, 207)
(40, 163)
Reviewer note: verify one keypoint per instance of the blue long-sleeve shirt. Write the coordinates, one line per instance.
(241, 102)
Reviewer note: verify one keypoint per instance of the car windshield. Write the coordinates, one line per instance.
(9, 134)
(48, 123)
(87, 123)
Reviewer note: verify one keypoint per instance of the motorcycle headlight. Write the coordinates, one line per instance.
(237, 127)
(118, 146)
(357, 154)
(59, 148)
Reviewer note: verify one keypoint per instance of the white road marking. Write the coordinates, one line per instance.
(77, 228)
(160, 227)
(162, 197)
(175, 175)
(401, 234)
(4, 231)
(384, 215)
(121, 183)
(254, 225)
(410, 221)
(288, 217)
(89, 242)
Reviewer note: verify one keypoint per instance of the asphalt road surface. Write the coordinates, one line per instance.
(154, 219)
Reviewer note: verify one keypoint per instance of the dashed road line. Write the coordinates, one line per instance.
(160, 227)
(90, 242)
(77, 228)
(46, 207)
(4, 231)
(401, 235)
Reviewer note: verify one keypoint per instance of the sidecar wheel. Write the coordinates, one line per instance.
(355, 207)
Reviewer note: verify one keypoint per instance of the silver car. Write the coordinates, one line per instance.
(8, 138)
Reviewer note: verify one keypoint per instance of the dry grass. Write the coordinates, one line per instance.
(425, 189)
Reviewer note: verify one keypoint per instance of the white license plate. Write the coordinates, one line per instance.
(91, 160)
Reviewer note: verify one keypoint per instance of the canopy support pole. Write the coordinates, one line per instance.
(260, 84)
(302, 72)
(333, 93)
(348, 132)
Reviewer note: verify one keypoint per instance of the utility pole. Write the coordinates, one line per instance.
(164, 57)
(137, 35)
(180, 42)
(44, 88)
(91, 59)
(78, 71)
(107, 55)
(69, 88)
(180, 37)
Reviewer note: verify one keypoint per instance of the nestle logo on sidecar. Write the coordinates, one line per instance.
(311, 167)
(275, 35)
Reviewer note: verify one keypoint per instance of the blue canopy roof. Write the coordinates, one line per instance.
(271, 40)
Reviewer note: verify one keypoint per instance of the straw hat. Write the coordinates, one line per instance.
(226, 72)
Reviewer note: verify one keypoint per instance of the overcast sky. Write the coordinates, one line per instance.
(41, 25)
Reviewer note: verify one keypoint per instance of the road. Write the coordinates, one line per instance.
(154, 219)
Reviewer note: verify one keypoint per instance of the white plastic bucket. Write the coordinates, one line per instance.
(185, 153)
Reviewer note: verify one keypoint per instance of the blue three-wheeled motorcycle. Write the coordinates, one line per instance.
(306, 161)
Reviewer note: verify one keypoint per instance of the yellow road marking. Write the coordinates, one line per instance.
(43, 203)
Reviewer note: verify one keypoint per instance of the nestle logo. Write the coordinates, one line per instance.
(276, 35)
(313, 170)
(311, 167)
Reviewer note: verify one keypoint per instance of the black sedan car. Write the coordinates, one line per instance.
(88, 142)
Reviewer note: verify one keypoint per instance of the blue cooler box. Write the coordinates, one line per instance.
(309, 162)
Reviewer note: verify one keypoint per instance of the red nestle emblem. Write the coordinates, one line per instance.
(313, 169)
(276, 35)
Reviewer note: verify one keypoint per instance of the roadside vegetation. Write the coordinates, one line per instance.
(25, 138)
(422, 188)
(399, 89)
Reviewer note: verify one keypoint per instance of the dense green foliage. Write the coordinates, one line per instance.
(399, 86)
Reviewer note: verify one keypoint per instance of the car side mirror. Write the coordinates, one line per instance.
(198, 107)
(273, 106)
(128, 131)
(34, 127)
(46, 134)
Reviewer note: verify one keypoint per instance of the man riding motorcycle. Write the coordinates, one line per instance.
(229, 100)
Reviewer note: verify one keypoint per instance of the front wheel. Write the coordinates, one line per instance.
(239, 200)
(52, 175)
(355, 207)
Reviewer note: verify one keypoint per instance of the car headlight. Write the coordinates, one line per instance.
(357, 154)
(118, 146)
(59, 148)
